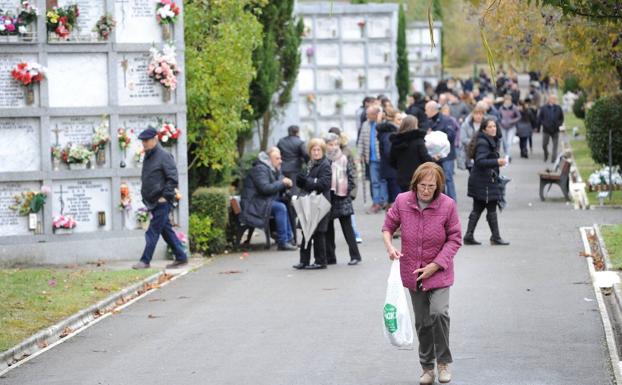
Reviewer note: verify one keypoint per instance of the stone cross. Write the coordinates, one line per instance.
(60, 199)
(56, 131)
(123, 2)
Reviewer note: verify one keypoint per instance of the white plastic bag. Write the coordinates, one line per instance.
(398, 327)
(437, 144)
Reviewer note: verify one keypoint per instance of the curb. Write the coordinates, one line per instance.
(602, 307)
(57, 333)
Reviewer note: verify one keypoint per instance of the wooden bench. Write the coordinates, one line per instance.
(560, 177)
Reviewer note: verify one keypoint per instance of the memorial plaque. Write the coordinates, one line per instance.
(9, 5)
(90, 12)
(327, 54)
(10, 222)
(305, 80)
(76, 130)
(134, 84)
(353, 54)
(327, 28)
(351, 103)
(21, 148)
(83, 200)
(307, 130)
(380, 53)
(377, 78)
(138, 123)
(12, 95)
(326, 79)
(326, 104)
(136, 21)
(78, 80)
(378, 27)
(349, 129)
(354, 79)
(351, 27)
(129, 220)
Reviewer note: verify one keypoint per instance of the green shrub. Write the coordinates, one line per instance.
(571, 83)
(211, 202)
(605, 114)
(579, 106)
(205, 238)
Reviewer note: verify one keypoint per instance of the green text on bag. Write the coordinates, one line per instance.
(390, 317)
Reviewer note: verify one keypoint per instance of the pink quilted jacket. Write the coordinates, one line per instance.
(430, 235)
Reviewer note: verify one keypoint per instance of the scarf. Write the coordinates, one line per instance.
(339, 167)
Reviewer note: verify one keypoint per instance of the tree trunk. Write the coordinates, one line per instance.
(266, 118)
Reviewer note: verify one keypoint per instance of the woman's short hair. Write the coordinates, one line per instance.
(427, 169)
(314, 143)
(409, 123)
(331, 137)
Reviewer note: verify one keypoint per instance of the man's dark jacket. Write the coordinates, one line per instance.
(408, 152)
(159, 177)
(440, 122)
(551, 117)
(293, 153)
(262, 186)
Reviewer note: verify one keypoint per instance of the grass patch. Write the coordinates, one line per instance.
(583, 158)
(612, 236)
(32, 299)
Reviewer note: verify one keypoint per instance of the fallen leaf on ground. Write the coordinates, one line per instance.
(153, 316)
(182, 297)
(52, 282)
(66, 332)
(230, 272)
(42, 344)
(157, 299)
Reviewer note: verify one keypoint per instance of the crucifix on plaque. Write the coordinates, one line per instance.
(60, 199)
(56, 131)
(123, 2)
(125, 65)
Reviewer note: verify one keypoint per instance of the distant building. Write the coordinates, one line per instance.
(424, 61)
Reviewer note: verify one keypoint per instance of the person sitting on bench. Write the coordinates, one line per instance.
(261, 193)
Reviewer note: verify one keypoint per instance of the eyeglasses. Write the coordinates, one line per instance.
(428, 187)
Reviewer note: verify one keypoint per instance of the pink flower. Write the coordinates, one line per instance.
(45, 190)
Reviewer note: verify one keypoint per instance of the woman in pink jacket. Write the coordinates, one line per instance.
(431, 236)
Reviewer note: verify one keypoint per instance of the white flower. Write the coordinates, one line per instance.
(7, 22)
(22, 30)
(2, 27)
(165, 138)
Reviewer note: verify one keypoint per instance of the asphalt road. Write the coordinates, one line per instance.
(521, 315)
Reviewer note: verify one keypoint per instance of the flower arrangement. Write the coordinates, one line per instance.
(310, 99)
(61, 20)
(339, 105)
(126, 198)
(183, 239)
(310, 51)
(11, 24)
(27, 13)
(123, 137)
(168, 134)
(139, 155)
(143, 215)
(57, 153)
(30, 202)
(101, 136)
(63, 222)
(361, 23)
(28, 73)
(167, 11)
(362, 79)
(77, 154)
(104, 26)
(163, 67)
(8, 24)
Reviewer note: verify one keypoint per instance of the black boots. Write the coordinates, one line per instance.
(495, 239)
(468, 237)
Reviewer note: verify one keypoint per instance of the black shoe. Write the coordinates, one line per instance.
(331, 262)
(176, 264)
(498, 242)
(354, 262)
(286, 247)
(315, 266)
(469, 240)
(300, 266)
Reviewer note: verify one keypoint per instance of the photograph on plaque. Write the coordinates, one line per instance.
(22, 150)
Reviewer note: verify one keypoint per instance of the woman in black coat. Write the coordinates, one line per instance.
(408, 151)
(524, 128)
(318, 179)
(342, 184)
(484, 186)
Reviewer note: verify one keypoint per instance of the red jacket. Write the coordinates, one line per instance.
(430, 235)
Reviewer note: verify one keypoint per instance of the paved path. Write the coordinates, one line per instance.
(520, 315)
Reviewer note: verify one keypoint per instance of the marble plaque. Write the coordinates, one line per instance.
(327, 54)
(328, 79)
(353, 54)
(76, 130)
(138, 123)
(90, 12)
(129, 220)
(10, 222)
(83, 199)
(305, 108)
(12, 95)
(134, 84)
(349, 129)
(413, 36)
(378, 79)
(350, 28)
(136, 21)
(380, 53)
(326, 28)
(379, 27)
(9, 5)
(78, 80)
(351, 103)
(326, 105)
(354, 79)
(305, 80)
(21, 151)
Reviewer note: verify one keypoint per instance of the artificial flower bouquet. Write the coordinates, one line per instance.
(139, 155)
(77, 154)
(28, 74)
(167, 11)
(101, 136)
(123, 137)
(143, 215)
(163, 67)
(104, 26)
(126, 197)
(14, 24)
(168, 134)
(30, 202)
(63, 222)
(62, 20)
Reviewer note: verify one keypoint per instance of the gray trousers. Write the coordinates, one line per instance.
(545, 145)
(432, 325)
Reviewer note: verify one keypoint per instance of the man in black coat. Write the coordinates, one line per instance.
(293, 152)
(439, 122)
(417, 108)
(550, 117)
(158, 183)
(260, 197)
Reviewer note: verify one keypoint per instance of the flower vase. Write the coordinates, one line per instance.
(338, 84)
(56, 164)
(167, 32)
(29, 94)
(361, 82)
(166, 94)
(310, 59)
(77, 166)
(144, 225)
(362, 27)
(100, 156)
(63, 231)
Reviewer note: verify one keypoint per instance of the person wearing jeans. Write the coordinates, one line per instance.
(510, 115)
(159, 179)
(283, 226)
(369, 151)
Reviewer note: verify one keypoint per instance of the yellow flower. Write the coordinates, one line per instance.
(53, 17)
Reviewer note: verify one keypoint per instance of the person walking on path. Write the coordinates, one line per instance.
(550, 117)
(408, 151)
(484, 186)
(439, 122)
(386, 129)
(431, 237)
(342, 184)
(369, 152)
(318, 178)
(469, 128)
(524, 128)
(159, 179)
(510, 115)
